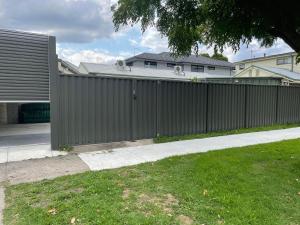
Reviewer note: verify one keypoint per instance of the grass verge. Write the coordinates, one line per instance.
(164, 139)
(250, 185)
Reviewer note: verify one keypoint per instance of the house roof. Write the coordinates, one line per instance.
(136, 72)
(69, 65)
(278, 71)
(166, 57)
(267, 57)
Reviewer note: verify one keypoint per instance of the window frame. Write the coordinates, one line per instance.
(196, 68)
(150, 64)
(284, 60)
(171, 65)
(211, 68)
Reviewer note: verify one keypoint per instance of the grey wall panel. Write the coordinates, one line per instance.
(24, 70)
(288, 105)
(226, 107)
(182, 108)
(261, 105)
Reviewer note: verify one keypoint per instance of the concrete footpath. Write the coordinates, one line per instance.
(135, 155)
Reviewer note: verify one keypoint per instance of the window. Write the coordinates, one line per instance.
(211, 68)
(129, 64)
(151, 64)
(285, 60)
(242, 66)
(197, 68)
(171, 65)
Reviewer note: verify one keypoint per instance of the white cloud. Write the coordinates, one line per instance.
(151, 40)
(255, 50)
(93, 56)
(68, 20)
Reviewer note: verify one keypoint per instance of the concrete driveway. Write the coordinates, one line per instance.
(25, 141)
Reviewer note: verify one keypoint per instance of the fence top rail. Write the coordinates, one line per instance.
(202, 81)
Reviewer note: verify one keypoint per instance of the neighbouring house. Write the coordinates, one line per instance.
(137, 72)
(282, 67)
(66, 67)
(196, 64)
(283, 61)
(142, 73)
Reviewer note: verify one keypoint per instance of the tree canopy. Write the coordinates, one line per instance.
(216, 23)
(219, 56)
(216, 55)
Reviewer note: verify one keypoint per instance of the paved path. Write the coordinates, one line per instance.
(135, 155)
(1, 204)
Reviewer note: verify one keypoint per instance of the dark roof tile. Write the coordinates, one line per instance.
(166, 57)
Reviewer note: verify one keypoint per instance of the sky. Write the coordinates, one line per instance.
(85, 33)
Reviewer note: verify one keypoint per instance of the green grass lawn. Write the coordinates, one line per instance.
(164, 139)
(257, 185)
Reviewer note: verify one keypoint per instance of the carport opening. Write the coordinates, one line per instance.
(24, 129)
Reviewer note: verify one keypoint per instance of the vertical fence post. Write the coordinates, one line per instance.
(158, 108)
(134, 108)
(277, 103)
(54, 93)
(207, 105)
(246, 107)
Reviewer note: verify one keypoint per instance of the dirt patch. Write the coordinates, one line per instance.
(165, 203)
(40, 169)
(40, 204)
(126, 193)
(185, 220)
(76, 190)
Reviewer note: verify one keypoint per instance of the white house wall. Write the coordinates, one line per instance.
(220, 71)
(270, 62)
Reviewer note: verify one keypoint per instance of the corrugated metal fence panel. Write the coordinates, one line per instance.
(94, 110)
(226, 107)
(146, 113)
(24, 70)
(288, 105)
(182, 108)
(261, 105)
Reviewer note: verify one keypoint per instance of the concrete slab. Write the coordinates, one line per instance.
(1, 204)
(26, 152)
(27, 139)
(121, 157)
(40, 169)
(23, 129)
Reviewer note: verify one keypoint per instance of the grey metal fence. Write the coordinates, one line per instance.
(95, 109)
